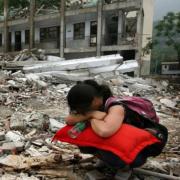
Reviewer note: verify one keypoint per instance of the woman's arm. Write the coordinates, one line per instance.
(72, 119)
(75, 118)
(111, 123)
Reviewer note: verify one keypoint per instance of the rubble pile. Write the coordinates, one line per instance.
(17, 13)
(6, 57)
(33, 107)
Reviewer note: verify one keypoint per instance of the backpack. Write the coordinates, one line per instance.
(140, 113)
(141, 106)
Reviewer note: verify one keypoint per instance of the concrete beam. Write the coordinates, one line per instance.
(74, 64)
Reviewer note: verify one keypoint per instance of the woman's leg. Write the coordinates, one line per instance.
(109, 158)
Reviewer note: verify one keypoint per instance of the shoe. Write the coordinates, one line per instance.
(108, 171)
(122, 174)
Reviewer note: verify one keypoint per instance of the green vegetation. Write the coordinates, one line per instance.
(165, 45)
(25, 3)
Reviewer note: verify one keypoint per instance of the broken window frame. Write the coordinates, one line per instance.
(79, 31)
(49, 34)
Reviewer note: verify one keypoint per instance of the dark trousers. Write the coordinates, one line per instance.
(113, 160)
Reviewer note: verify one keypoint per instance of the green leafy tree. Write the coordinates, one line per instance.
(169, 28)
(14, 3)
(25, 3)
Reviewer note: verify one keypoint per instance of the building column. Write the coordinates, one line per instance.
(37, 37)
(139, 34)
(99, 27)
(103, 30)
(12, 40)
(121, 26)
(31, 24)
(6, 31)
(62, 28)
(23, 38)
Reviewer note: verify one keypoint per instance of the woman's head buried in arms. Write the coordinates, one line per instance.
(87, 96)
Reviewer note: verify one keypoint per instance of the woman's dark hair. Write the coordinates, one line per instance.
(82, 94)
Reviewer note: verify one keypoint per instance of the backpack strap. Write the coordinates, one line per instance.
(112, 101)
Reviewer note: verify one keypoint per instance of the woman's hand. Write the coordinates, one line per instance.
(72, 119)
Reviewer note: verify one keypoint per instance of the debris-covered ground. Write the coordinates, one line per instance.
(32, 109)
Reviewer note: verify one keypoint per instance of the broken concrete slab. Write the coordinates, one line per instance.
(12, 147)
(9, 148)
(63, 75)
(168, 103)
(14, 136)
(55, 125)
(128, 66)
(17, 121)
(38, 120)
(54, 58)
(98, 70)
(74, 64)
(32, 151)
(21, 162)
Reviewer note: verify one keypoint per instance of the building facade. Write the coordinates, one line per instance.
(170, 68)
(120, 26)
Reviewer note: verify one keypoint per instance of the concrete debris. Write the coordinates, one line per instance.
(168, 103)
(128, 66)
(74, 64)
(21, 162)
(12, 147)
(54, 58)
(17, 121)
(14, 136)
(20, 176)
(55, 125)
(2, 136)
(33, 107)
(33, 152)
(38, 120)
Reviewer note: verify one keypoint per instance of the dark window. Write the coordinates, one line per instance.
(0, 40)
(26, 36)
(79, 31)
(173, 67)
(49, 34)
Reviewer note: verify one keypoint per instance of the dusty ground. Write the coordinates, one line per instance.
(49, 101)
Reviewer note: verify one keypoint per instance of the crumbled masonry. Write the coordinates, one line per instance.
(33, 107)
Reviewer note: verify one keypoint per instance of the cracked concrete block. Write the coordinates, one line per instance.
(17, 121)
(8, 148)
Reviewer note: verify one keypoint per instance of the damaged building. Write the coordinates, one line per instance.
(93, 29)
